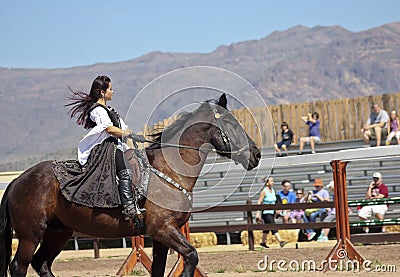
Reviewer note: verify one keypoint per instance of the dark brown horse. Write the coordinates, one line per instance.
(35, 209)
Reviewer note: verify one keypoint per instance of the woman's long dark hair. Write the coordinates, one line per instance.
(81, 102)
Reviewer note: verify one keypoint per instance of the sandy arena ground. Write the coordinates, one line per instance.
(233, 260)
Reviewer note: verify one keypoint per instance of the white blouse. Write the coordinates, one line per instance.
(98, 134)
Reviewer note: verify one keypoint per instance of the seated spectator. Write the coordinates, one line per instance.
(286, 196)
(376, 189)
(314, 135)
(393, 128)
(330, 215)
(268, 196)
(287, 138)
(310, 215)
(376, 125)
(296, 216)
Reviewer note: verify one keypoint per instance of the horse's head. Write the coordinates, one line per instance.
(210, 123)
(230, 139)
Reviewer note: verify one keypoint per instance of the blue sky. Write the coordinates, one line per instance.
(54, 34)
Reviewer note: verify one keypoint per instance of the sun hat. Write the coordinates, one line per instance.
(377, 175)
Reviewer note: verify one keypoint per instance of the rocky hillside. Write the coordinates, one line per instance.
(296, 65)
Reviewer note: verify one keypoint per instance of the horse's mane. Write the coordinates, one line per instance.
(169, 131)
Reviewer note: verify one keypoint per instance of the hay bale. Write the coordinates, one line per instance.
(286, 235)
(392, 228)
(203, 239)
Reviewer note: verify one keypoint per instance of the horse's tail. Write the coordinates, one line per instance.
(5, 236)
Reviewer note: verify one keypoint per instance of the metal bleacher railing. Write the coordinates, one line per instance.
(213, 188)
(225, 184)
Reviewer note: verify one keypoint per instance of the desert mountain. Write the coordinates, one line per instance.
(297, 65)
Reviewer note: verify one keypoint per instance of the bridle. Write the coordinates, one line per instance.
(225, 138)
(227, 143)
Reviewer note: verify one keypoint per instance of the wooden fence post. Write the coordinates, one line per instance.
(96, 248)
(250, 233)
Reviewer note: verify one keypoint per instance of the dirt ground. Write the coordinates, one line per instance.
(236, 260)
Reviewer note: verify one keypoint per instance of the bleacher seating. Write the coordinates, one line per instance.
(216, 187)
(219, 186)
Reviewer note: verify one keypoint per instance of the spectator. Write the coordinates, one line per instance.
(376, 189)
(287, 138)
(393, 128)
(310, 215)
(314, 135)
(330, 215)
(268, 196)
(286, 196)
(296, 216)
(376, 125)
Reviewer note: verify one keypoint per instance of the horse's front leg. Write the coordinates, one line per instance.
(160, 253)
(172, 237)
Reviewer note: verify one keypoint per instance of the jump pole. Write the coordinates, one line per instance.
(138, 255)
(343, 248)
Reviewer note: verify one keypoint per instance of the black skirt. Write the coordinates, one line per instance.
(93, 184)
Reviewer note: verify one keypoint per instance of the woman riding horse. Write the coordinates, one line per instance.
(105, 136)
(39, 213)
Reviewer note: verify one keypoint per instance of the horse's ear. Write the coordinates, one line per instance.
(223, 101)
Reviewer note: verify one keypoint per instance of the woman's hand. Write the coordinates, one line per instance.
(258, 217)
(126, 133)
(137, 138)
(118, 132)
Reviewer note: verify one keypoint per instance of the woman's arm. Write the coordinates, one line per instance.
(260, 200)
(310, 118)
(294, 139)
(304, 199)
(117, 132)
(103, 122)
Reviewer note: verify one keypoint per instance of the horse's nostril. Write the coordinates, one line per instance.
(258, 155)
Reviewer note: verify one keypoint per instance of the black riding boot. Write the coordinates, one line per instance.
(131, 208)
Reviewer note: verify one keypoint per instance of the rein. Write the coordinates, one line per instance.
(227, 150)
(237, 152)
(177, 185)
(225, 139)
